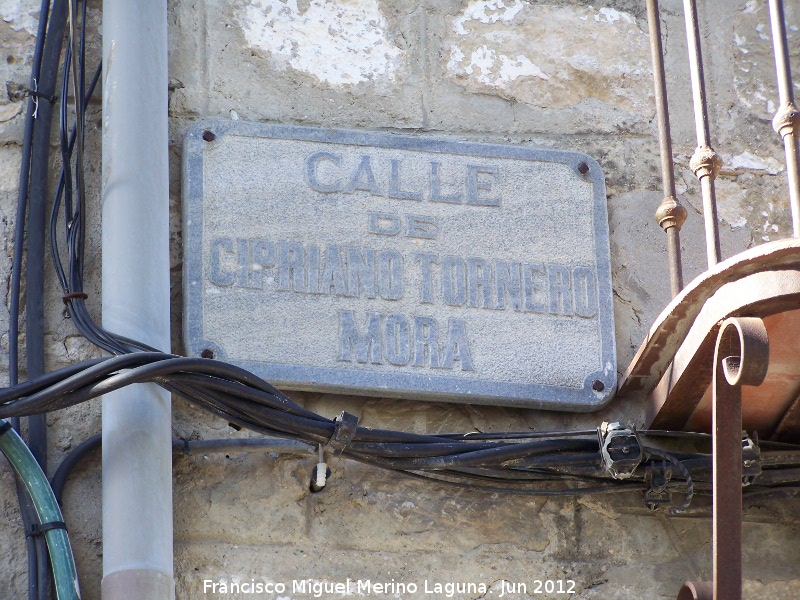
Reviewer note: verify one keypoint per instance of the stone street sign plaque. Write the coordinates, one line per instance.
(399, 266)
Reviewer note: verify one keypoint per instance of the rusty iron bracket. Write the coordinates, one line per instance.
(620, 448)
(741, 357)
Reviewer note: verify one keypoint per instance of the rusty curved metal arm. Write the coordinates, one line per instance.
(672, 325)
(741, 357)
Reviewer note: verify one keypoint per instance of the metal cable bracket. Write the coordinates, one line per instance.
(620, 448)
(343, 432)
(658, 476)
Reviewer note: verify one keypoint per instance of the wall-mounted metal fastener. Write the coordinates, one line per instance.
(209, 136)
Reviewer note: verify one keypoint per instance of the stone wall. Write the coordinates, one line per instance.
(565, 74)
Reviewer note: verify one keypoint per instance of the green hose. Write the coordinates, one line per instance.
(47, 510)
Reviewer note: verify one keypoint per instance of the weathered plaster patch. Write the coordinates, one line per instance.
(338, 42)
(22, 14)
(483, 61)
(610, 15)
(529, 53)
(487, 11)
(750, 162)
(730, 199)
(751, 7)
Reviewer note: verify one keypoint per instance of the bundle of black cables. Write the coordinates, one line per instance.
(524, 462)
(511, 462)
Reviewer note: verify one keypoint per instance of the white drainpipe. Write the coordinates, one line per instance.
(137, 432)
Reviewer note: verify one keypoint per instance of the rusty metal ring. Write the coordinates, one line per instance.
(697, 590)
(73, 296)
(743, 349)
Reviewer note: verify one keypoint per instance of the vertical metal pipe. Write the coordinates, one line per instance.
(137, 440)
(670, 214)
(705, 163)
(787, 119)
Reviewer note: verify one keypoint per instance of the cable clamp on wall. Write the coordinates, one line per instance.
(344, 429)
(5, 427)
(41, 528)
(620, 449)
(73, 296)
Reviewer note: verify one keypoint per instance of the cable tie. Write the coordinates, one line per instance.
(50, 99)
(344, 429)
(5, 427)
(73, 296)
(186, 447)
(40, 528)
(36, 94)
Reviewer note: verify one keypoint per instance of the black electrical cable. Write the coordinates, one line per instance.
(59, 479)
(38, 196)
(35, 249)
(67, 146)
(71, 460)
(576, 491)
(22, 202)
(37, 580)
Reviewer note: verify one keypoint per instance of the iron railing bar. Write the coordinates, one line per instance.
(705, 163)
(787, 119)
(670, 214)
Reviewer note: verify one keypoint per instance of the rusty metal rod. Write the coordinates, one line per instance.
(741, 357)
(787, 119)
(705, 162)
(727, 502)
(670, 214)
(675, 260)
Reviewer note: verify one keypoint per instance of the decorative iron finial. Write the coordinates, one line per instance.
(786, 120)
(671, 213)
(705, 162)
